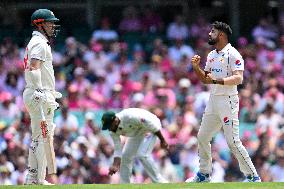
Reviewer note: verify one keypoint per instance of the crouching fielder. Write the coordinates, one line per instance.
(134, 123)
(39, 96)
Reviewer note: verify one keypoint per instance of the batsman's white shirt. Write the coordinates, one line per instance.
(39, 48)
(134, 122)
(222, 64)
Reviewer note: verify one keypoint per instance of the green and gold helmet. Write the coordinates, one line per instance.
(43, 15)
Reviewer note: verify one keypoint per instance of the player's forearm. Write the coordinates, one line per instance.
(200, 74)
(233, 80)
(117, 145)
(159, 135)
(36, 78)
(117, 161)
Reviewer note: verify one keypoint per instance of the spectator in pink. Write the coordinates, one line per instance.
(95, 58)
(8, 109)
(128, 86)
(166, 64)
(117, 99)
(72, 100)
(80, 81)
(158, 93)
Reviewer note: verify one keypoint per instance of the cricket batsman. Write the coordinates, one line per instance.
(223, 71)
(134, 123)
(39, 96)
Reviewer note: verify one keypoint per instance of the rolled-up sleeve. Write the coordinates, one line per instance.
(117, 145)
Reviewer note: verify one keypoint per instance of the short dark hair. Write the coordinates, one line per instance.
(223, 27)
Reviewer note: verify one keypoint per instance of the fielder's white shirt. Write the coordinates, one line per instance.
(222, 64)
(38, 48)
(134, 122)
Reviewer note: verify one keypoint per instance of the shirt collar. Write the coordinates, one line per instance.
(40, 35)
(225, 49)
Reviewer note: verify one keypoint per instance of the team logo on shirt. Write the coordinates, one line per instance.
(211, 60)
(238, 62)
(216, 70)
(226, 120)
(48, 111)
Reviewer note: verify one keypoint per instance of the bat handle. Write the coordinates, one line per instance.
(41, 112)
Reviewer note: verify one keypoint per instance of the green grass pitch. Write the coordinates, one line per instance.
(232, 185)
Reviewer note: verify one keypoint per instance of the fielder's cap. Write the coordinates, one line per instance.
(107, 119)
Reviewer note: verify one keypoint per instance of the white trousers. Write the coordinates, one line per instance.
(222, 111)
(37, 163)
(140, 147)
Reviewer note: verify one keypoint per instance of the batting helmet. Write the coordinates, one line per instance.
(43, 15)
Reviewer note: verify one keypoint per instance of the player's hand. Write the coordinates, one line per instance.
(208, 79)
(164, 145)
(44, 130)
(112, 170)
(195, 60)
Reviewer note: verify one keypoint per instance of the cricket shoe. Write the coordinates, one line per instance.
(45, 182)
(252, 179)
(199, 177)
(31, 183)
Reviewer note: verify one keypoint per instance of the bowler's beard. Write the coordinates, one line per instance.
(212, 41)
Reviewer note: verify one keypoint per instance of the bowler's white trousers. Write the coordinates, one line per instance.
(140, 147)
(222, 111)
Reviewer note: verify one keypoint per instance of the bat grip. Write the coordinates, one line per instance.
(41, 112)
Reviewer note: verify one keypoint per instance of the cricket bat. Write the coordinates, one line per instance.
(48, 145)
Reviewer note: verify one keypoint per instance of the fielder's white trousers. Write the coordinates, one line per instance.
(37, 160)
(222, 111)
(140, 147)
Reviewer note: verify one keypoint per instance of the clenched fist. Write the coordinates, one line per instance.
(113, 169)
(195, 60)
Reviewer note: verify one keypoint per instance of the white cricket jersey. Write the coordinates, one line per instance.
(222, 64)
(39, 48)
(134, 122)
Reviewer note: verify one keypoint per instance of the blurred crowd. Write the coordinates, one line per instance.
(110, 73)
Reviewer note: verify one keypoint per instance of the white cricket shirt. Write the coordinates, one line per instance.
(38, 48)
(134, 122)
(222, 64)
